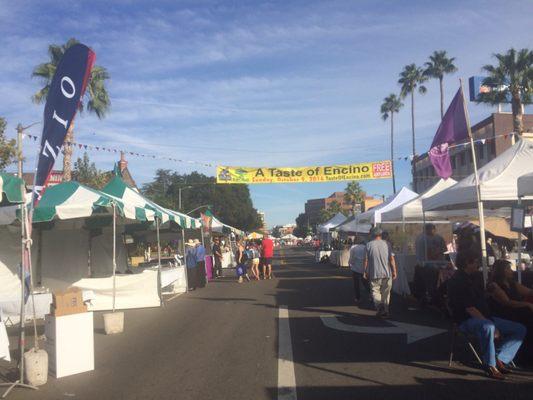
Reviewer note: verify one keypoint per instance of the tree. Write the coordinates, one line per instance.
(354, 195)
(512, 77)
(411, 79)
(8, 148)
(438, 65)
(391, 104)
(302, 226)
(98, 98)
(327, 213)
(85, 172)
(276, 231)
(231, 204)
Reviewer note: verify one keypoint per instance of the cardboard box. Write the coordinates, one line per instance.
(67, 302)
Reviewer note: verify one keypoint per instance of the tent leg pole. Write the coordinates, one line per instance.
(159, 289)
(203, 244)
(24, 242)
(482, 238)
(519, 250)
(114, 255)
(184, 260)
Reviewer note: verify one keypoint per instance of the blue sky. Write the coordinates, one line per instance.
(278, 83)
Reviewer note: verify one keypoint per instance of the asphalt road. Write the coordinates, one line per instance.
(298, 336)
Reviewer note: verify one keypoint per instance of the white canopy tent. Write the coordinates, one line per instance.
(412, 210)
(339, 218)
(498, 182)
(525, 185)
(373, 216)
(351, 226)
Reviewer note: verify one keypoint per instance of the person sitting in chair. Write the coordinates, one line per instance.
(471, 313)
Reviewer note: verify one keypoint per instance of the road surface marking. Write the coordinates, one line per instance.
(413, 332)
(286, 377)
(310, 253)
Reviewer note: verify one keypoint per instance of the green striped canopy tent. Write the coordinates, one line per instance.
(138, 207)
(10, 192)
(220, 227)
(70, 200)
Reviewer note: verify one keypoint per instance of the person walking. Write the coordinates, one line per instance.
(356, 262)
(190, 263)
(217, 256)
(380, 270)
(240, 258)
(253, 255)
(267, 250)
(200, 263)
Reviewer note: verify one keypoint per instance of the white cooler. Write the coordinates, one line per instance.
(69, 344)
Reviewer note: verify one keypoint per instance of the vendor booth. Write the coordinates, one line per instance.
(73, 245)
(498, 184)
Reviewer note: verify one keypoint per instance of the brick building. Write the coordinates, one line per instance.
(494, 130)
(314, 206)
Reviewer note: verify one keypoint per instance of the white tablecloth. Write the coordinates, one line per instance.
(4, 340)
(11, 307)
(405, 265)
(321, 253)
(340, 258)
(227, 260)
(174, 280)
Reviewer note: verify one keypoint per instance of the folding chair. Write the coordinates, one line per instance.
(454, 333)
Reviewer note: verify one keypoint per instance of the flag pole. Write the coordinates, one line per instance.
(478, 193)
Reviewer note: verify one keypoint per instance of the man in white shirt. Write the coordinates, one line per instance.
(356, 262)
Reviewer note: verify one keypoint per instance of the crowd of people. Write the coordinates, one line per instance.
(499, 314)
(252, 255)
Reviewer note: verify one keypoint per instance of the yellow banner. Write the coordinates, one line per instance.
(331, 173)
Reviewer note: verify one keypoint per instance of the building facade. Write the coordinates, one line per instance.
(494, 132)
(314, 206)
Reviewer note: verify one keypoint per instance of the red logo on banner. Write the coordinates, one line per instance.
(382, 169)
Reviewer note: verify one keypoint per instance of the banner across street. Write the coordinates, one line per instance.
(330, 173)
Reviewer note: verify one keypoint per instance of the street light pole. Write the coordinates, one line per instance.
(179, 195)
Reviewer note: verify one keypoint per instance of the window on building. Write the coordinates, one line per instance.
(481, 151)
(462, 158)
(470, 156)
(452, 161)
(493, 148)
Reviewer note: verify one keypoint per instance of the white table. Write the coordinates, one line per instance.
(69, 344)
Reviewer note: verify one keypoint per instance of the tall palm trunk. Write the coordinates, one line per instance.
(67, 153)
(392, 151)
(441, 98)
(413, 137)
(518, 122)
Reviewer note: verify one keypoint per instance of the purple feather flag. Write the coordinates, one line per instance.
(452, 129)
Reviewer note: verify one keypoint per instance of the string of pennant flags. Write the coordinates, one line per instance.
(91, 147)
(465, 144)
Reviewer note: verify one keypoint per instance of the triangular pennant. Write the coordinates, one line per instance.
(85, 146)
(80, 145)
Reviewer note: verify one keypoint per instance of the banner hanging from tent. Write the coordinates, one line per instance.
(62, 102)
(331, 173)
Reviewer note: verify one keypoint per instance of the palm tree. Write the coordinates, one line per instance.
(98, 98)
(438, 65)
(391, 104)
(354, 195)
(412, 79)
(511, 77)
